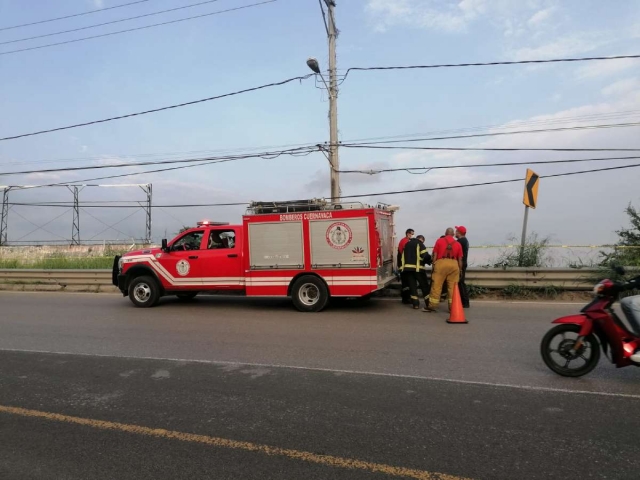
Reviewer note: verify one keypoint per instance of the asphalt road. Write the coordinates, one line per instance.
(233, 388)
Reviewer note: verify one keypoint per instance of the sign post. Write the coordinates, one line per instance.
(530, 200)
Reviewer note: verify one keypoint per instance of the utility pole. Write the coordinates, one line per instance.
(334, 160)
(524, 236)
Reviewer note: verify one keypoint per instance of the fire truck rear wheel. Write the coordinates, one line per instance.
(144, 292)
(310, 294)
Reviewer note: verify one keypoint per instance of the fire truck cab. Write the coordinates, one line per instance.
(308, 250)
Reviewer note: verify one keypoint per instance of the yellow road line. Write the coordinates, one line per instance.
(329, 460)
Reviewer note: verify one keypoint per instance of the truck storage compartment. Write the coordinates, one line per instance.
(340, 243)
(276, 245)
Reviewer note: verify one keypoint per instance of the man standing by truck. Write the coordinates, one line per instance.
(423, 279)
(447, 263)
(461, 235)
(405, 292)
(412, 263)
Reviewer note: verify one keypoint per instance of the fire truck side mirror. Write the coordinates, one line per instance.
(165, 248)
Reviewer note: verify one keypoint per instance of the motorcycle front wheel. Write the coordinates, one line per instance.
(556, 350)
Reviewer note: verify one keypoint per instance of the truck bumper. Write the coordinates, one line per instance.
(122, 284)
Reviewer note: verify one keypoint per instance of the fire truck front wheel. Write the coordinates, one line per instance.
(144, 292)
(310, 294)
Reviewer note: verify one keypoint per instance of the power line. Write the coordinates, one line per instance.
(608, 116)
(305, 152)
(496, 134)
(78, 182)
(474, 165)
(488, 64)
(139, 28)
(231, 204)
(108, 23)
(483, 149)
(229, 158)
(375, 194)
(217, 97)
(74, 15)
(41, 227)
(496, 182)
(110, 227)
(509, 125)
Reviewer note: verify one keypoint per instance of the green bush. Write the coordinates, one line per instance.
(476, 291)
(534, 253)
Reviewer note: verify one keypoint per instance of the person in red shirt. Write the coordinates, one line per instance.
(447, 264)
(405, 293)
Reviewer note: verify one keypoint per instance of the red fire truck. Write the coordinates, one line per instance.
(309, 250)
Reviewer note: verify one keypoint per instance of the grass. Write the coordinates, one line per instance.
(59, 263)
(476, 291)
(516, 291)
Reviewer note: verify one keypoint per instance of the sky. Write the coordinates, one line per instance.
(217, 54)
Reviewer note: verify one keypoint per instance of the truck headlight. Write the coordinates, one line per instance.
(120, 262)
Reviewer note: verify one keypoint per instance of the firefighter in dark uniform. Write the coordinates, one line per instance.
(461, 235)
(405, 286)
(412, 256)
(423, 279)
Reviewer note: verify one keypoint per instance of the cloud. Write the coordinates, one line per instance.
(428, 14)
(541, 16)
(567, 205)
(514, 18)
(606, 69)
(622, 87)
(37, 178)
(564, 46)
(98, 3)
(319, 185)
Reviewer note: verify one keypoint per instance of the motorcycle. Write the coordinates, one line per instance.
(572, 348)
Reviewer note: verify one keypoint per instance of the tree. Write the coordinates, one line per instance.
(627, 250)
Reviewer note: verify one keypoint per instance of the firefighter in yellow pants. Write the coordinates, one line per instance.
(447, 264)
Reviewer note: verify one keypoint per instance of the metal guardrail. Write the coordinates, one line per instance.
(493, 278)
(56, 277)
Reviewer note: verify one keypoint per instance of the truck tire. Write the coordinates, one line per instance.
(310, 294)
(144, 292)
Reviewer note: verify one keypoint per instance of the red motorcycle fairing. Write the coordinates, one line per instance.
(585, 323)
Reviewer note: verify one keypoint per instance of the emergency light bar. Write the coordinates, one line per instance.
(203, 223)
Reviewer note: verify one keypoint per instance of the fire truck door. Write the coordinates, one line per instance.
(221, 261)
(181, 268)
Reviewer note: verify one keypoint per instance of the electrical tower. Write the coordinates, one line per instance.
(75, 189)
(75, 227)
(4, 216)
(148, 189)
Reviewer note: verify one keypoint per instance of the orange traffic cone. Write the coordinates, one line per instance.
(457, 312)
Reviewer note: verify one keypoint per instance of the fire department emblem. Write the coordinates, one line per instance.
(357, 254)
(339, 235)
(183, 267)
